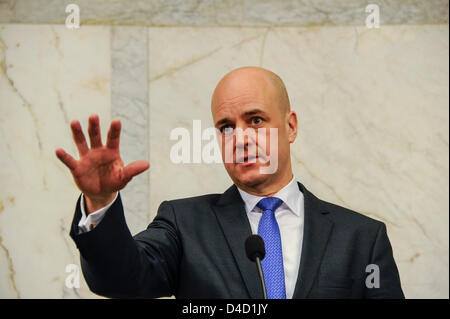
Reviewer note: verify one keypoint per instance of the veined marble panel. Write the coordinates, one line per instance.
(225, 12)
(373, 124)
(49, 76)
(129, 103)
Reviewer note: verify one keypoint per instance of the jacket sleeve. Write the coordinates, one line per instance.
(382, 259)
(117, 265)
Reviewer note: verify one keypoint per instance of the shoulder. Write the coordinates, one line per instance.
(205, 202)
(194, 200)
(192, 204)
(347, 217)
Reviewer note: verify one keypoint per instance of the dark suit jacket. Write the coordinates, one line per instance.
(194, 248)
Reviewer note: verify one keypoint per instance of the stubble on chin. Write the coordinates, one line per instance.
(252, 181)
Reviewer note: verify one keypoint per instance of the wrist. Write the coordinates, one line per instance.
(94, 203)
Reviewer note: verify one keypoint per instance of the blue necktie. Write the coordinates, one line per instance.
(272, 263)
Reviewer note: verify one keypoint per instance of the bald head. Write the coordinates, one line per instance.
(246, 79)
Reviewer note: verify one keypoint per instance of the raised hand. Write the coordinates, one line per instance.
(99, 173)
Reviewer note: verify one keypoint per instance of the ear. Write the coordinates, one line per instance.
(292, 126)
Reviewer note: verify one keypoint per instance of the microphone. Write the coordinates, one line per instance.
(256, 251)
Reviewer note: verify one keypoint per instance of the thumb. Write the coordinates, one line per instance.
(135, 168)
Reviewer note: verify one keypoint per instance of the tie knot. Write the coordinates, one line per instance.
(269, 203)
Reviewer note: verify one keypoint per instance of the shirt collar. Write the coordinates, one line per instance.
(289, 194)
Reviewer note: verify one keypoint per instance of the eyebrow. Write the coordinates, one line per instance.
(255, 111)
(247, 113)
(222, 121)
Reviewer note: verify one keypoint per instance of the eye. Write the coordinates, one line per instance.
(226, 129)
(256, 120)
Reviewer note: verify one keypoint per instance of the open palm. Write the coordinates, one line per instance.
(100, 171)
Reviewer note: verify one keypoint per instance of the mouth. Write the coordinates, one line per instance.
(247, 161)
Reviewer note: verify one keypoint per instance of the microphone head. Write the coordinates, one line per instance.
(254, 247)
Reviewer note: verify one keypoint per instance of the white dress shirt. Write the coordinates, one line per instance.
(289, 215)
(89, 222)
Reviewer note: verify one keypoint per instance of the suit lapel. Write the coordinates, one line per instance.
(317, 230)
(232, 217)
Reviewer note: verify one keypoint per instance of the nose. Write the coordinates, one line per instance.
(240, 139)
(245, 142)
(244, 137)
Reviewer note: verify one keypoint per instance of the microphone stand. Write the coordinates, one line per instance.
(261, 276)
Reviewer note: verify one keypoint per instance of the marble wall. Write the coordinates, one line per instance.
(373, 135)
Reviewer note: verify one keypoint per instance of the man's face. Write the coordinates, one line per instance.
(247, 100)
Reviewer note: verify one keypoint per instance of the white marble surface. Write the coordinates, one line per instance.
(372, 105)
(49, 76)
(129, 103)
(227, 13)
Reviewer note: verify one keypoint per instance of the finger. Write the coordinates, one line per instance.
(78, 137)
(68, 160)
(135, 168)
(113, 139)
(94, 131)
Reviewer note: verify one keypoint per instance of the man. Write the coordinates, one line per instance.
(194, 248)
